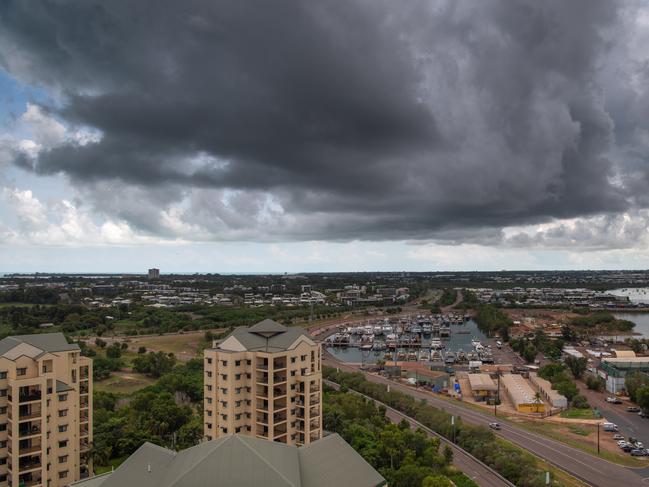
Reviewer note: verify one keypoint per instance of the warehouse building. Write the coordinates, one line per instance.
(521, 394)
(482, 387)
(555, 399)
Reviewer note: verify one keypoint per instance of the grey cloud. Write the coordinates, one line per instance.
(361, 119)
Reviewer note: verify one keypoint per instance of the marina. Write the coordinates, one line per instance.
(433, 339)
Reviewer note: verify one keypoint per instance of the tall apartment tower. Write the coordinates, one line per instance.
(264, 381)
(154, 273)
(45, 411)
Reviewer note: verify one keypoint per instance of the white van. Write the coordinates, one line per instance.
(610, 427)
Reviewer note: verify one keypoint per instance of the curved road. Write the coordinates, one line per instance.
(588, 468)
(471, 466)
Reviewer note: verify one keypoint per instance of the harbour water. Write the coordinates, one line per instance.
(460, 339)
(641, 321)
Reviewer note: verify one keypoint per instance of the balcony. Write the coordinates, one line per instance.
(279, 363)
(30, 480)
(84, 444)
(314, 388)
(28, 447)
(262, 419)
(262, 432)
(279, 378)
(262, 378)
(314, 412)
(83, 404)
(29, 412)
(279, 430)
(262, 365)
(83, 430)
(27, 429)
(83, 388)
(26, 464)
(262, 405)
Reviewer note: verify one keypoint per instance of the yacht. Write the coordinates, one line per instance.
(449, 358)
(436, 356)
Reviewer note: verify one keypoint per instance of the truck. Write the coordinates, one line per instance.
(610, 427)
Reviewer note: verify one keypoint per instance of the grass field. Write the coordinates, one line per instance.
(574, 413)
(124, 383)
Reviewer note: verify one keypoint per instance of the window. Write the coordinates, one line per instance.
(237, 416)
(237, 429)
(3, 444)
(63, 397)
(237, 376)
(237, 363)
(293, 360)
(3, 461)
(224, 390)
(248, 362)
(209, 412)
(209, 387)
(21, 371)
(209, 400)
(3, 477)
(224, 362)
(237, 403)
(3, 426)
(302, 358)
(209, 438)
(63, 474)
(3, 409)
(209, 361)
(3, 374)
(63, 458)
(209, 426)
(224, 376)
(225, 417)
(63, 413)
(63, 443)
(63, 427)
(209, 374)
(3, 392)
(237, 390)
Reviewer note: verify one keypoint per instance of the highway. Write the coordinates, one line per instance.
(588, 468)
(480, 473)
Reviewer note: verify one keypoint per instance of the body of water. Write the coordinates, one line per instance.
(635, 294)
(454, 343)
(641, 321)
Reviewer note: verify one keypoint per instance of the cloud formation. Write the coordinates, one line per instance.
(376, 120)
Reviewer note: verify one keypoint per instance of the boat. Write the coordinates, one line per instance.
(378, 346)
(416, 329)
(401, 356)
(449, 358)
(412, 356)
(388, 357)
(474, 342)
(436, 344)
(461, 356)
(436, 356)
(427, 328)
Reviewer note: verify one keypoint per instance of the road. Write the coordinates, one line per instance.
(471, 466)
(586, 467)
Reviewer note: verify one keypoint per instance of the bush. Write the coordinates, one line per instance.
(141, 350)
(594, 383)
(580, 402)
(100, 343)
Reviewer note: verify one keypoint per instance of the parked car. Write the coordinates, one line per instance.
(638, 452)
(494, 426)
(639, 444)
(632, 409)
(643, 414)
(614, 400)
(627, 448)
(618, 436)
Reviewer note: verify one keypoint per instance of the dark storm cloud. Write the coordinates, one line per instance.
(363, 119)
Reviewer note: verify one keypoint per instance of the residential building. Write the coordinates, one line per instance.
(154, 273)
(264, 381)
(243, 461)
(45, 411)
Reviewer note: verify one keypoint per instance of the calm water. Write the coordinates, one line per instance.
(635, 294)
(641, 321)
(457, 341)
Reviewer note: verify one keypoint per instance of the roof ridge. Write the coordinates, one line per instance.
(215, 445)
(270, 464)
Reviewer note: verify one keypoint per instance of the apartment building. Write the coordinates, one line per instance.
(264, 381)
(45, 411)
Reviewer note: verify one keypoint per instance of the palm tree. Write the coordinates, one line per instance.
(537, 400)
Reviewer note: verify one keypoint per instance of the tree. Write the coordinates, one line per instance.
(577, 365)
(594, 383)
(436, 481)
(114, 351)
(537, 400)
(141, 350)
(642, 398)
(448, 454)
(100, 343)
(580, 402)
(633, 382)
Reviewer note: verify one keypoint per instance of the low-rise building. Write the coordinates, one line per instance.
(482, 387)
(521, 394)
(614, 370)
(241, 461)
(555, 399)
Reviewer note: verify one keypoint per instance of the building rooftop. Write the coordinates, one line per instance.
(36, 345)
(265, 336)
(519, 390)
(243, 461)
(482, 382)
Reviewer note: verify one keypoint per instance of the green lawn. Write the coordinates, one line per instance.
(461, 480)
(574, 413)
(125, 383)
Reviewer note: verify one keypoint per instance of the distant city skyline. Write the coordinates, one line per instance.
(221, 137)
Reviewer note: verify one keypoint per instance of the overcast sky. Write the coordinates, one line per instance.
(210, 135)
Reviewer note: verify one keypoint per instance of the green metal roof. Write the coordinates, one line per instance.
(243, 461)
(268, 336)
(47, 342)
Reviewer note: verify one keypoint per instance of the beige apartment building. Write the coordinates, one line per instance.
(264, 381)
(45, 411)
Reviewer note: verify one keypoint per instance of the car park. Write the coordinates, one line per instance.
(494, 426)
(632, 409)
